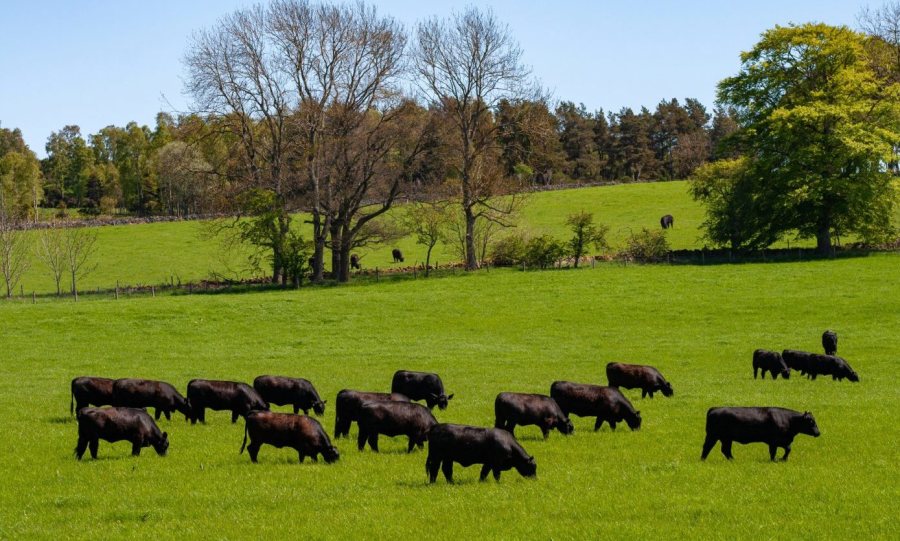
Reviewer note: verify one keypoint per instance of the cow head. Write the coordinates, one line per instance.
(528, 467)
(785, 372)
(634, 421)
(806, 424)
(330, 454)
(319, 407)
(442, 401)
(666, 389)
(564, 425)
(161, 446)
(184, 407)
(853, 376)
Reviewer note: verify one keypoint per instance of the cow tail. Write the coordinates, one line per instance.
(72, 401)
(243, 445)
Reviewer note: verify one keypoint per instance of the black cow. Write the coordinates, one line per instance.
(637, 376)
(667, 221)
(770, 361)
(797, 360)
(830, 365)
(239, 398)
(511, 409)
(421, 386)
(354, 262)
(349, 403)
(495, 448)
(299, 432)
(298, 392)
(829, 342)
(394, 419)
(776, 427)
(87, 391)
(398, 255)
(605, 403)
(145, 393)
(117, 424)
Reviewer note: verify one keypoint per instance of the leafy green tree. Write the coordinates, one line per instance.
(428, 221)
(67, 166)
(20, 184)
(818, 127)
(578, 138)
(585, 233)
(721, 187)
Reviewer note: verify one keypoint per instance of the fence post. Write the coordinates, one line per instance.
(33, 299)
(152, 291)
(376, 274)
(21, 291)
(117, 290)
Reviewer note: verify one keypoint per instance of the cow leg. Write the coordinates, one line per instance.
(598, 423)
(787, 451)
(431, 467)
(650, 393)
(726, 449)
(135, 448)
(774, 374)
(411, 446)
(373, 441)
(302, 456)
(253, 451)
(81, 447)
(497, 474)
(158, 413)
(511, 427)
(545, 431)
(297, 409)
(643, 393)
(234, 416)
(612, 425)
(485, 470)
(708, 444)
(755, 370)
(447, 468)
(773, 448)
(93, 445)
(361, 439)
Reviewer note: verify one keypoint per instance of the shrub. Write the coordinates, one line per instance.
(543, 251)
(585, 233)
(647, 246)
(509, 250)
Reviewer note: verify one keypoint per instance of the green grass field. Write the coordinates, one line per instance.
(486, 332)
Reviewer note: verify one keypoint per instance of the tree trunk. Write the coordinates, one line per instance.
(428, 260)
(337, 249)
(319, 248)
(823, 240)
(471, 259)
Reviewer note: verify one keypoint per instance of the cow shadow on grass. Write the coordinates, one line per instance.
(60, 420)
(457, 481)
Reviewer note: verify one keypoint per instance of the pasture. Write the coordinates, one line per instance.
(485, 332)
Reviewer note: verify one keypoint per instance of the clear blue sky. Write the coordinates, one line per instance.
(95, 63)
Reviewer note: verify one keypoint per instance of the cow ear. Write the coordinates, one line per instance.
(451, 396)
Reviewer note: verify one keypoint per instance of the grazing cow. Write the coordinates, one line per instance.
(239, 398)
(349, 403)
(116, 424)
(299, 432)
(605, 403)
(398, 255)
(631, 376)
(829, 342)
(145, 393)
(354, 262)
(667, 221)
(394, 419)
(511, 409)
(421, 386)
(830, 365)
(495, 448)
(87, 391)
(298, 392)
(770, 361)
(797, 360)
(776, 427)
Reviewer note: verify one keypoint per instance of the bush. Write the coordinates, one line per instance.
(509, 250)
(543, 251)
(647, 246)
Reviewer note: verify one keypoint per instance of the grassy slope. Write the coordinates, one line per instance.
(485, 333)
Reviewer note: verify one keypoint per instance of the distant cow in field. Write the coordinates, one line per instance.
(299, 432)
(90, 391)
(770, 361)
(495, 448)
(145, 393)
(348, 404)
(829, 342)
(398, 255)
(354, 262)
(394, 419)
(297, 392)
(118, 424)
(605, 403)
(830, 365)
(421, 386)
(636, 376)
(797, 360)
(238, 398)
(511, 409)
(667, 221)
(776, 427)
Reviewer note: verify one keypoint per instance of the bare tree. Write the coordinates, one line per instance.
(468, 64)
(14, 252)
(883, 24)
(79, 246)
(51, 251)
(428, 221)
